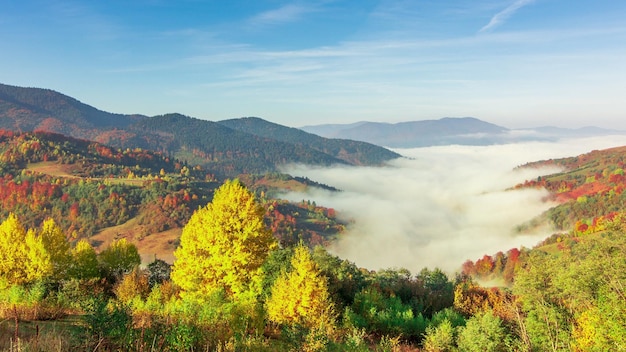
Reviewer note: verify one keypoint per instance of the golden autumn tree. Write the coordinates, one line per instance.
(28, 256)
(223, 245)
(13, 251)
(133, 284)
(38, 264)
(300, 297)
(57, 248)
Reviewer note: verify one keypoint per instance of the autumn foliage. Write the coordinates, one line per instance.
(300, 296)
(223, 245)
(244, 279)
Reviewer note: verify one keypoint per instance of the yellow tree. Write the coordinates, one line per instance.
(300, 297)
(38, 264)
(134, 284)
(223, 245)
(13, 251)
(28, 256)
(57, 248)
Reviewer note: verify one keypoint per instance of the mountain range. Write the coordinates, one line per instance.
(446, 131)
(228, 151)
(250, 144)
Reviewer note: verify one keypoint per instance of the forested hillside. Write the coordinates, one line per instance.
(78, 217)
(227, 152)
(351, 151)
(88, 187)
(590, 189)
(30, 109)
(590, 201)
(570, 287)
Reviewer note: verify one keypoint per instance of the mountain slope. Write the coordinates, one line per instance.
(591, 187)
(34, 108)
(226, 151)
(220, 147)
(591, 209)
(467, 130)
(354, 152)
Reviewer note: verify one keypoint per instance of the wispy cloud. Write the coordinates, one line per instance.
(84, 20)
(504, 15)
(284, 14)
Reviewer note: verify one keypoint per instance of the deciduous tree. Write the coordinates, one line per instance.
(13, 251)
(119, 257)
(84, 261)
(300, 297)
(57, 248)
(483, 332)
(223, 245)
(38, 264)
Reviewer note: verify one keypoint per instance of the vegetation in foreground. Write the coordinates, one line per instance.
(238, 286)
(233, 288)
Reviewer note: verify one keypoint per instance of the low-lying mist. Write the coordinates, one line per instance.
(439, 206)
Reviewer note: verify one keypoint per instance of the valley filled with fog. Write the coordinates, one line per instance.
(439, 206)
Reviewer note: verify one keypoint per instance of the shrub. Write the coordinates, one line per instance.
(439, 338)
(383, 315)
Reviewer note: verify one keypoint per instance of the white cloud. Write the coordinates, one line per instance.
(504, 15)
(441, 206)
(284, 14)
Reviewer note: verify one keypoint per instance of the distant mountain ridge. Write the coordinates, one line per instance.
(447, 131)
(467, 130)
(225, 150)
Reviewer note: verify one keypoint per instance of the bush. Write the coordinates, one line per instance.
(483, 332)
(449, 314)
(383, 315)
(30, 302)
(439, 338)
(183, 336)
(107, 324)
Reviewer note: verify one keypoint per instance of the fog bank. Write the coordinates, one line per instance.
(439, 206)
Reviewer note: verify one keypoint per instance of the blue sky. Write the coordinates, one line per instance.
(516, 63)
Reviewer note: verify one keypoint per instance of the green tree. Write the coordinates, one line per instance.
(345, 279)
(546, 322)
(439, 338)
(602, 327)
(383, 315)
(119, 257)
(223, 245)
(84, 261)
(483, 332)
(158, 272)
(563, 294)
(438, 291)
